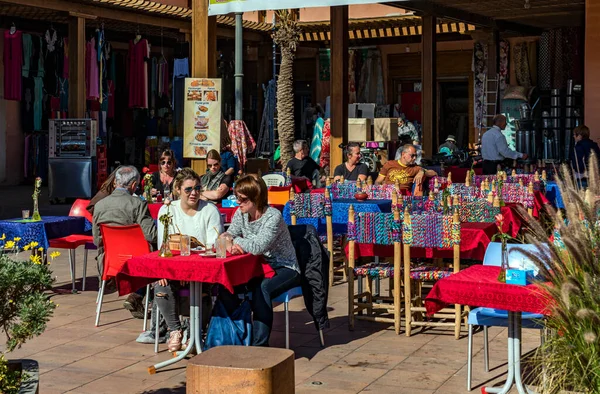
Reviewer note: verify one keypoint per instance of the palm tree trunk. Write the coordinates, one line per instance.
(285, 106)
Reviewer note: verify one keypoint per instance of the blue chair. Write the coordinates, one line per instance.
(285, 298)
(488, 317)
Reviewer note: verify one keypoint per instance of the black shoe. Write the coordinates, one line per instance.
(134, 304)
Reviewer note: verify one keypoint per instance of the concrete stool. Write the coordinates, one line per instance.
(241, 369)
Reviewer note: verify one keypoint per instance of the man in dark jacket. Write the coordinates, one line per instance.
(580, 155)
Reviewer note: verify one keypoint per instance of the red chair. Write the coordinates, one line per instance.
(120, 244)
(73, 241)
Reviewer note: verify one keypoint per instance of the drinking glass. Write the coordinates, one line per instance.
(25, 214)
(184, 245)
(221, 247)
(167, 190)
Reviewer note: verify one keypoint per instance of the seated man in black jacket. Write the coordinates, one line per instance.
(301, 165)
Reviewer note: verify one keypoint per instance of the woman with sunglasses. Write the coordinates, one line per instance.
(259, 229)
(215, 182)
(162, 180)
(193, 217)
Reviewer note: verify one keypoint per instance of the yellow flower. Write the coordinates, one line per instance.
(54, 255)
(36, 259)
(10, 301)
(34, 244)
(41, 249)
(9, 244)
(26, 247)
(16, 239)
(3, 237)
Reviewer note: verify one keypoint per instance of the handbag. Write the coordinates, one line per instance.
(175, 242)
(229, 330)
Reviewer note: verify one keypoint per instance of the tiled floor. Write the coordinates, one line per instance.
(76, 357)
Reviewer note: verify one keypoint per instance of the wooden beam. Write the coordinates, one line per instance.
(204, 53)
(339, 84)
(429, 84)
(123, 14)
(76, 67)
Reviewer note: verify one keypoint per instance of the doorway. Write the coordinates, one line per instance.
(453, 113)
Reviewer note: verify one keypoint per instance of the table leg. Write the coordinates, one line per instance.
(181, 355)
(198, 318)
(521, 388)
(511, 371)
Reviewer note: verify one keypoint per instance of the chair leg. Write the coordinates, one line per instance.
(470, 358)
(99, 306)
(73, 275)
(157, 327)
(85, 255)
(146, 308)
(486, 355)
(287, 324)
(350, 297)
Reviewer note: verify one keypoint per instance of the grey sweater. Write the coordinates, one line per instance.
(268, 236)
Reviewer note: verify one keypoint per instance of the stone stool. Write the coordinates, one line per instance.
(241, 369)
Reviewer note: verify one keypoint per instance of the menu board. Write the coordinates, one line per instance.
(202, 117)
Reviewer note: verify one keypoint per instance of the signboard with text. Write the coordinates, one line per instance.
(202, 117)
(221, 7)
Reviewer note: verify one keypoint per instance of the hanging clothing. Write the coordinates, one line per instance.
(27, 52)
(51, 61)
(242, 142)
(41, 71)
(163, 78)
(138, 73)
(317, 140)
(101, 63)
(37, 103)
(325, 145)
(13, 64)
(181, 69)
(153, 83)
(27, 105)
(110, 98)
(63, 93)
(65, 70)
(91, 71)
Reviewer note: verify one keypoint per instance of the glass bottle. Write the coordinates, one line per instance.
(503, 263)
(165, 250)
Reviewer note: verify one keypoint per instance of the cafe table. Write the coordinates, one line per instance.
(197, 269)
(41, 231)
(478, 286)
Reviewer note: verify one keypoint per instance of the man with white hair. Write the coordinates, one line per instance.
(122, 209)
(301, 165)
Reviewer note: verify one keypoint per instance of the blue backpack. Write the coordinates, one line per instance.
(229, 330)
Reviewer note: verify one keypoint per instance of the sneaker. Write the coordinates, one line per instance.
(134, 304)
(148, 337)
(174, 342)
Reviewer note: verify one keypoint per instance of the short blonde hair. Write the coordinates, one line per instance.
(182, 176)
(253, 187)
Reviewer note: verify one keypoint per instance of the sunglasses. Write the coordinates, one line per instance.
(213, 165)
(165, 162)
(241, 200)
(413, 156)
(188, 190)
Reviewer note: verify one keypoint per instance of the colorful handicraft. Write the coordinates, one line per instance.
(477, 211)
(426, 273)
(442, 183)
(431, 230)
(307, 205)
(464, 191)
(419, 204)
(344, 190)
(375, 270)
(380, 192)
(374, 228)
(515, 193)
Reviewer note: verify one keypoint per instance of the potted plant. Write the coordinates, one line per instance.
(25, 309)
(569, 359)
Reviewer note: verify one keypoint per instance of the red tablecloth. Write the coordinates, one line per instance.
(539, 200)
(478, 286)
(475, 238)
(512, 219)
(154, 208)
(231, 271)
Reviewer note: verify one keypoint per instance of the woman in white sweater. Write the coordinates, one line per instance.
(194, 217)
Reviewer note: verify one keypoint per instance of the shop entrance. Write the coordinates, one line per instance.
(453, 112)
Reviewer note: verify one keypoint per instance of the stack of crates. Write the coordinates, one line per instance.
(102, 174)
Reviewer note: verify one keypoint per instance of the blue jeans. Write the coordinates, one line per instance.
(263, 292)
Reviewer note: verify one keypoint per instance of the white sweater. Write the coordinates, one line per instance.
(201, 225)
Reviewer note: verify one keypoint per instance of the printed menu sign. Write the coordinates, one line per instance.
(202, 117)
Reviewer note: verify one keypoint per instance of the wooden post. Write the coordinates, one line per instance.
(456, 268)
(544, 175)
(429, 83)
(204, 53)
(514, 172)
(407, 291)
(339, 83)
(530, 191)
(449, 178)
(329, 224)
(76, 67)
(292, 196)
(369, 181)
(397, 282)
(350, 274)
(394, 198)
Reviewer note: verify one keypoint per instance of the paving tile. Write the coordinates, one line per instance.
(429, 379)
(344, 377)
(382, 389)
(113, 384)
(370, 359)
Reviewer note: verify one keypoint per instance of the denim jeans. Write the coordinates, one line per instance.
(262, 309)
(167, 300)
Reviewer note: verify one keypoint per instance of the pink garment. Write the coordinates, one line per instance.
(91, 71)
(325, 144)
(242, 142)
(138, 73)
(65, 70)
(13, 62)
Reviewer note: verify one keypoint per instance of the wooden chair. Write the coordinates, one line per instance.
(444, 234)
(382, 229)
(316, 206)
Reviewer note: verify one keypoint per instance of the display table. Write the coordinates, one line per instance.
(196, 269)
(227, 212)
(478, 286)
(49, 227)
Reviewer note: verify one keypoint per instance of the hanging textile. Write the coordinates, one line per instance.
(37, 103)
(479, 74)
(138, 73)
(27, 105)
(40, 59)
(163, 78)
(180, 71)
(91, 70)
(51, 62)
(63, 92)
(352, 76)
(27, 52)
(521, 56)
(153, 83)
(13, 63)
(65, 70)
(101, 63)
(242, 142)
(325, 148)
(317, 140)
(503, 60)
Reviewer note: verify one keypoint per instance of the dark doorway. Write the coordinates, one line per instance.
(453, 112)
